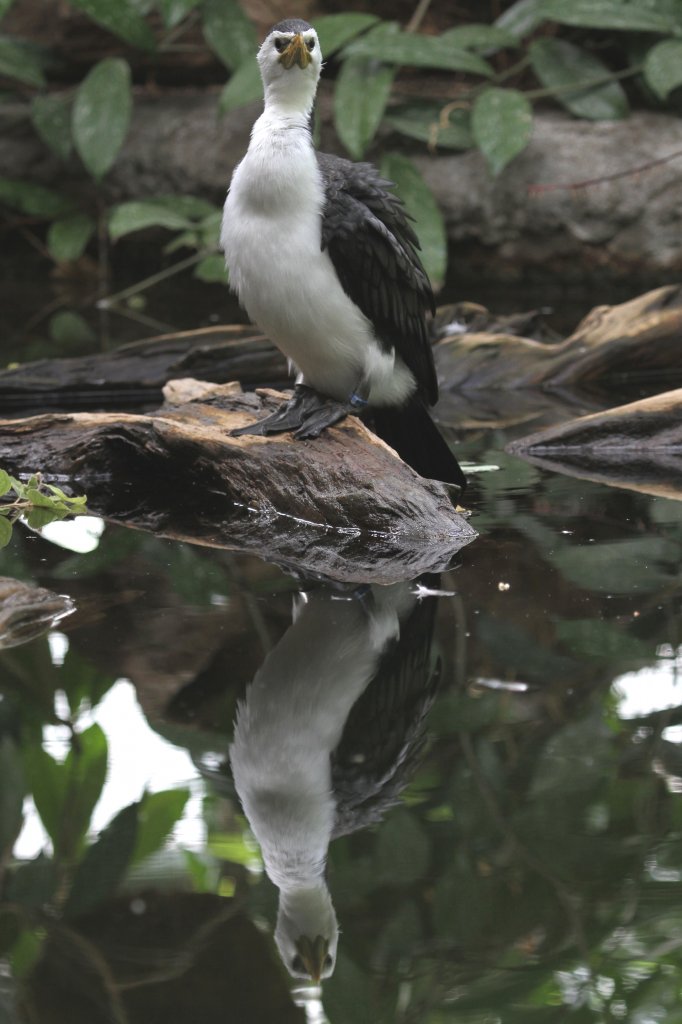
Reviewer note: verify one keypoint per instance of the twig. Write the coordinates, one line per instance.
(589, 182)
(112, 300)
(418, 15)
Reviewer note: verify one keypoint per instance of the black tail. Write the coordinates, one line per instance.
(417, 440)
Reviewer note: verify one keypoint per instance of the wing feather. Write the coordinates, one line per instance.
(367, 233)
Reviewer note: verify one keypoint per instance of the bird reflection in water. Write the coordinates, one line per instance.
(324, 741)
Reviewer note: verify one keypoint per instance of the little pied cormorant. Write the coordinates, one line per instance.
(323, 258)
(326, 736)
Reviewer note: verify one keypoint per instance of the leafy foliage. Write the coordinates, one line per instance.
(537, 51)
(38, 502)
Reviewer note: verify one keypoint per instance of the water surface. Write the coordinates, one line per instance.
(505, 840)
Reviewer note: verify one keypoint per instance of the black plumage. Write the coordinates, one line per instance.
(374, 249)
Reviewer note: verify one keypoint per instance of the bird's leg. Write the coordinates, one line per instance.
(331, 411)
(290, 415)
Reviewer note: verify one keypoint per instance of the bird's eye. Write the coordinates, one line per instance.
(310, 43)
(327, 961)
(297, 965)
(281, 45)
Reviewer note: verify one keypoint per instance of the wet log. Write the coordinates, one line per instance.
(27, 612)
(343, 506)
(138, 371)
(636, 339)
(637, 446)
(474, 351)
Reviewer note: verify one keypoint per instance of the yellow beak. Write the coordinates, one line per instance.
(313, 954)
(296, 53)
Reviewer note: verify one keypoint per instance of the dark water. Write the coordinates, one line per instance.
(503, 800)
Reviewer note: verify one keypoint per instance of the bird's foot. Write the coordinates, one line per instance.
(328, 412)
(290, 415)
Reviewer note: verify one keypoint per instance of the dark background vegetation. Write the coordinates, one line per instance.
(79, 249)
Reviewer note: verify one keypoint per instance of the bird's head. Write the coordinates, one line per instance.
(307, 932)
(290, 60)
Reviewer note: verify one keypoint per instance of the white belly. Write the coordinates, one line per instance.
(288, 286)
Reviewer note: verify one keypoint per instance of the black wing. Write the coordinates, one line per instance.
(385, 733)
(367, 233)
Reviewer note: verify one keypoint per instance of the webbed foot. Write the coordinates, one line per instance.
(326, 415)
(290, 415)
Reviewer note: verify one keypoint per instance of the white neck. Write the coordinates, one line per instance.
(290, 100)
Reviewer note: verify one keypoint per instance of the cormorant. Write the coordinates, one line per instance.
(323, 258)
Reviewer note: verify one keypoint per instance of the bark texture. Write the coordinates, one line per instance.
(638, 446)
(343, 506)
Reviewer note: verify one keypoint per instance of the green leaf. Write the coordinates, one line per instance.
(335, 30)
(348, 995)
(21, 61)
(65, 794)
(5, 531)
(360, 97)
(158, 813)
(51, 117)
(35, 200)
(521, 18)
(86, 770)
(245, 86)
(212, 269)
(402, 851)
(480, 37)
(604, 641)
(121, 18)
(104, 864)
(32, 883)
(420, 120)
(613, 14)
(69, 329)
(37, 518)
(502, 121)
(228, 32)
(416, 51)
(139, 214)
(83, 681)
(422, 206)
(47, 782)
(663, 67)
(5, 482)
(68, 238)
(173, 11)
(633, 566)
(39, 499)
(27, 951)
(12, 789)
(10, 929)
(5, 6)
(580, 756)
(101, 114)
(560, 65)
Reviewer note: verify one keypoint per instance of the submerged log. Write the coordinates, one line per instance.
(637, 446)
(343, 506)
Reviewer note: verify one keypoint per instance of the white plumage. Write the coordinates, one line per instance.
(271, 236)
(291, 720)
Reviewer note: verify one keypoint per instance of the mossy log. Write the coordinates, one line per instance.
(343, 506)
(637, 446)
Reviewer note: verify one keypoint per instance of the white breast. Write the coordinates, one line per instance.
(271, 235)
